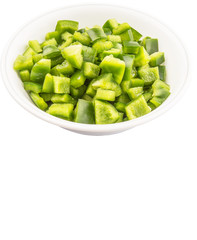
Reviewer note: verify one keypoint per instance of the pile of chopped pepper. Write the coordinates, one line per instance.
(98, 75)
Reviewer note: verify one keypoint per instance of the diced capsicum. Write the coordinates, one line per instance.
(25, 75)
(129, 62)
(137, 108)
(151, 45)
(77, 92)
(88, 54)
(135, 92)
(33, 87)
(156, 59)
(148, 74)
(162, 73)
(111, 24)
(39, 70)
(106, 81)
(161, 91)
(23, 63)
(127, 35)
(56, 35)
(82, 38)
(105, 113)
(61, 84)
(62, 98)
(84, 112)
(121, 28)
(66, 25)
(96, 34)
(103, 94)
(65, 68)
(141, 58)
(102, 45)
(74, 55)
(115, 66)
(35, 45)
(77, 79)
(51, 51)
(61, 110)
(91, 70)
(39, 101)
(131, 47)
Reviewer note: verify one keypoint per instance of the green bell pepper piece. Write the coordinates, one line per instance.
(24, 75)
(65, 68)
(23, 63)
(82, 38)
(96, 34)
(51, 41)
(148, 94)
(106, 81)
(121, 28)
(29, 52)
(156, 59)
(137, 108)
(84, 112)
(39, 70)
(141, 58)
(131, 47)
(161, 91)
(90, 91)
(162, 73)
(46, 96)
(149, 75)
(56, 35)
(62, 98)
(151, 45)
(136, 35)
(103, 94)
(115, 66)
(48, 84)
(127, 35)
(105, 113)
(61, 110)
(120, 106)
(78, 92)
(39, 102)
(137, 82)
(89, 54)
(123, 98)
(102, 45)
(135, 92)
(111, 24)
(61, 84)
(51, 51)
(66, 25)
(74, 55)
(33, 87)
(57, 60)
(35, 45)
(91, 70)
(114, 38)
(107, 31)
(37, 57)
(77, 79)
(129, 62)
(113, 51)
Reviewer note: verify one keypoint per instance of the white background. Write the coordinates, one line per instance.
(139, 184)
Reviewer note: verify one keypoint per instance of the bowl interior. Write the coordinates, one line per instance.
(90, 15)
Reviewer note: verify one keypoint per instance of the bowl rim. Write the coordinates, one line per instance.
(95, 128)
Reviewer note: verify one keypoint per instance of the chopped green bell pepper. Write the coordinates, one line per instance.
(105, 113)
(33, 87)
(39, 102)
(39, 70)
(23, 63)
(96, 34)
(115, 66)
(84, 112)
(66, 25)
(77, 79)
(137, 108)
(61, 110)
(74, 55)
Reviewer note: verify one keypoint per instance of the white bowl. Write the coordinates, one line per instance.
(89, 15)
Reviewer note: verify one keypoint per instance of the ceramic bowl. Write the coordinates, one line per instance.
(90, 15)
